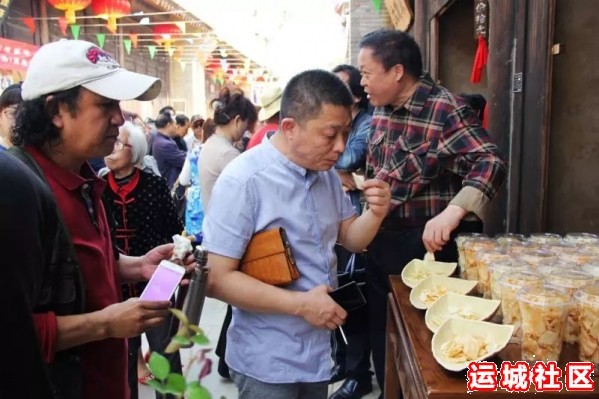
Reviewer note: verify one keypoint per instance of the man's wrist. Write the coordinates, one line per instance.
(456, 211)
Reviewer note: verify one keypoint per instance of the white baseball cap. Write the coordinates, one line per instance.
(65, 64)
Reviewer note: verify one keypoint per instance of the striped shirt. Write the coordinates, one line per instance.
(429, 150)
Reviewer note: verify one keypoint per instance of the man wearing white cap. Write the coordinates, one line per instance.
(270, 101)
(71, 114)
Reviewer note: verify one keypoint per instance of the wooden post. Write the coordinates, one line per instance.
(537, 103)
(44, 30)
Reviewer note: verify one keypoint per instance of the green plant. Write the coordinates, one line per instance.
(175, 383)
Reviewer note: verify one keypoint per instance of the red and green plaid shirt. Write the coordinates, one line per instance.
(429, 149)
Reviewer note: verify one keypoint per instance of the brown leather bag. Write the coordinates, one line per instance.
(268, 258)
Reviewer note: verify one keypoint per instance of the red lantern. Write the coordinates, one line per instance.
(163, 34)
(111, 10)
(69, 7)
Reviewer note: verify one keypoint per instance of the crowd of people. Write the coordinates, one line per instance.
(365, 167)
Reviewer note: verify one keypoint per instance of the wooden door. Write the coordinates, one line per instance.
(573, 182)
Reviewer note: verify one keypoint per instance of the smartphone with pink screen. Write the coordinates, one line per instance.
(163, 282)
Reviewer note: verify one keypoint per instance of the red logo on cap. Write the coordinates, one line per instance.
(95, 55)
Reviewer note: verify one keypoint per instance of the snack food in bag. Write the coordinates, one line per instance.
(587, 299)
(459, 242)
(484, 259)
(570, 281)
(543, 310)
(511, 284)
(545, 238)
(472, 247)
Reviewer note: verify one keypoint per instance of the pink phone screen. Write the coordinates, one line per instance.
(162, 285)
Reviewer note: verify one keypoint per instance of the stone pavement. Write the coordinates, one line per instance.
(212, 318)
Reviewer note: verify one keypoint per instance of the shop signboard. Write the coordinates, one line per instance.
(14, 55)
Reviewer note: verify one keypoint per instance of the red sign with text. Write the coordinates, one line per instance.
(15, 55)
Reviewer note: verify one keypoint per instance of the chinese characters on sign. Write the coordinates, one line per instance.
(15, 55)
(518, 377)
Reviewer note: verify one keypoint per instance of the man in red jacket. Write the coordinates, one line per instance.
(71, 114)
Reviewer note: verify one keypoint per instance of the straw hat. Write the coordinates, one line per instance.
(270, 101)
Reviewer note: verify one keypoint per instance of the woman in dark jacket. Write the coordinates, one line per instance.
(145, 217)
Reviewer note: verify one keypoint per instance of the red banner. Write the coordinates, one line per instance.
(15, 56)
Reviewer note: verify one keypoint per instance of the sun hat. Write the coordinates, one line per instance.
(65, 64)
(270, 101)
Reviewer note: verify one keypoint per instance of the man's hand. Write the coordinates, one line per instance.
(378, 196)
(151, 260)
(438, 230)
(133, 317)
(347, 180)
(319, 309)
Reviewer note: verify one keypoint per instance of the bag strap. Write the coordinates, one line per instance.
(27, 159)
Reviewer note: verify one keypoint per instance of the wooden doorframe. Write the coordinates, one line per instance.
(538, 70)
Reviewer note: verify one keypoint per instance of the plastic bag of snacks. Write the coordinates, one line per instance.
(592, 268)
(587, 299)
(511, 284)
(577, 255)
(545, 238)
(509, 238)
(545, 269)
(535, 257)
(484, 259)
(496, 271)
(544, 311)
(570, 281)
(459, 241)
(581, 238)
(472, 247)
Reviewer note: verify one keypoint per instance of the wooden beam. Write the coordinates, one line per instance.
(420, 29)
(504, 108)
(437, 7)
(537, 102)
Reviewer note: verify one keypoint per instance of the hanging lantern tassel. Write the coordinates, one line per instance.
(30, 23)
(63, 24)
(480, 60)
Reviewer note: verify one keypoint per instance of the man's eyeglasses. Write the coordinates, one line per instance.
(119, 145)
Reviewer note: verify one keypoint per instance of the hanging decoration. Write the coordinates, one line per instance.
(134, 39)
(182, 26)
(182, 64)
(101, 37)
(152, 50)
(29, 23)
(481, 29)
(127, 45)
(63, 24)
(171, 51)
(75, 30)
(111, 10)
(70, 7)
(163, 34)
(377, 5)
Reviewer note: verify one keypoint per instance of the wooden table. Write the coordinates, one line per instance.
(411, 365)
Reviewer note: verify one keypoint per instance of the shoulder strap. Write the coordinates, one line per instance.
(62, 248)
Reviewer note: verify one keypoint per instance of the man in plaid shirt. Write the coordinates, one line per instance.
(441, 164)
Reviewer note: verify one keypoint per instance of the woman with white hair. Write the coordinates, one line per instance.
(145, 216)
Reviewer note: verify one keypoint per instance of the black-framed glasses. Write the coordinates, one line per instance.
(119, 145)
